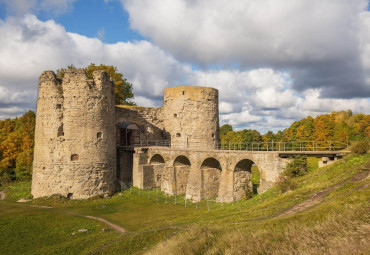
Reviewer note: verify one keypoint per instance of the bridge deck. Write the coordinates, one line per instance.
(282, 153)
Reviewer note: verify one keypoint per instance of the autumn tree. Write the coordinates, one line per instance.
(16, 147)
(336, 126)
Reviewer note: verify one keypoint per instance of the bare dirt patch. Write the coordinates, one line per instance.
(110, 224)
(2, 195)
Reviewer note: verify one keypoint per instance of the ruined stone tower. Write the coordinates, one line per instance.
(191, 116)
(75, 136)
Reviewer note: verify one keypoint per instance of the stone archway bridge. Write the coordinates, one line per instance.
(203, 173)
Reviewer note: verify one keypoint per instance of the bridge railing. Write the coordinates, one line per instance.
(253, 146)
(288, 146)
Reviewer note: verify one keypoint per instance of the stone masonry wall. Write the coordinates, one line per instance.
(191, 116)
(75, 152)
(150, 119)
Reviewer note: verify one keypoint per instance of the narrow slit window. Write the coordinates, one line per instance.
(74, 157)
(60, 131)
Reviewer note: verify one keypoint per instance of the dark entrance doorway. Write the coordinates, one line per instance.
(128, 134)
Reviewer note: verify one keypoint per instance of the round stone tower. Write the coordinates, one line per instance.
(75, 151)
(191, 116)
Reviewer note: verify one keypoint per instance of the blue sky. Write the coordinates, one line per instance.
(272, 63)
(88, 17)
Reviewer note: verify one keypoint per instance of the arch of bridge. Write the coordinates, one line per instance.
(268, 163)
(228, 160)
(156, 159)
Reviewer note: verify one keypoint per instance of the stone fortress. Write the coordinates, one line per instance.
(85, 146)
(80, 134)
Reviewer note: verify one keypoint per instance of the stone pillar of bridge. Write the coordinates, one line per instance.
(140, 162)
(225, 192)
(270, 166)
(167, 181)
(194, 186)
(327, 161)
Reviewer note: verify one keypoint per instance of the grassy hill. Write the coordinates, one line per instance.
(328, 213)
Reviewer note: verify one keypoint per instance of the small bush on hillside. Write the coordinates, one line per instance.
(286, 184)
(360, 147)
(297, 167)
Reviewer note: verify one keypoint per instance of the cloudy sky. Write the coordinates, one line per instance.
(273, 62)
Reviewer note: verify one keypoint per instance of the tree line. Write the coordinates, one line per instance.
(339, 126)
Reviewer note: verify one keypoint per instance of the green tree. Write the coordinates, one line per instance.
(225, 128)
(250, 136)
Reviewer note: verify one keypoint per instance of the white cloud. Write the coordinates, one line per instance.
(313, 103)
(10, 112)
(261, 98)
(213, 30)
(316, 41)
(225, 107)
(8, 97)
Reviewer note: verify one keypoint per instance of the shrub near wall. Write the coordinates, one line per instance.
(360, 147)
(295, 168)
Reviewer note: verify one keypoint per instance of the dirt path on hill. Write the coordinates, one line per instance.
(110, 224)
(2, 195)
(318, 197)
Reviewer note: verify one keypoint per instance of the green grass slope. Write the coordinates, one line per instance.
(328, 213)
